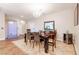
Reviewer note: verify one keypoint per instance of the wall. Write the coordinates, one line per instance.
(63, 22)
(76, 37)
(2, 26)
(21, 27)
(6, 26)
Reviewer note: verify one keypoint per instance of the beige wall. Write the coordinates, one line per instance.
(21, 27)
(63, 22)
(76, 37)
(6, 25)
(2, 26)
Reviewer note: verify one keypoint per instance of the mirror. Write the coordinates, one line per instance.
(49, 25)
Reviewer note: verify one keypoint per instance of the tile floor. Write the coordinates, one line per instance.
(61, 49)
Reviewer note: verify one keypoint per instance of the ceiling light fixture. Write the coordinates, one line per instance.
(22, 16)
(22, 22)
(10, 22)
(37, 9)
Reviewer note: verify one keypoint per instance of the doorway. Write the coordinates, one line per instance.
(12, 30)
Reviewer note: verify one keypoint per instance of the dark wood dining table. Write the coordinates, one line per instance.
(45, 38)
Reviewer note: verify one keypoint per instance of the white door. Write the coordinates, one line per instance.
(12, 29)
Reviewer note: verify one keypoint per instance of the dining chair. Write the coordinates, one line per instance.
(41, 33)
(52, 40)
(37, 39)
(28, 37)
(25, 40)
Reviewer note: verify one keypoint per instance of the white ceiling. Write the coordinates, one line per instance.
(20, 9)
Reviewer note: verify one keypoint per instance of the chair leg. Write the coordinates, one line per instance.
(39, 47)
(55, 44)
(52, 48)
(33, 44)
(30, 42)
(36, 43)
(26, 42)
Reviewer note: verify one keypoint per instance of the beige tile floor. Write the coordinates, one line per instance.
(61, 49)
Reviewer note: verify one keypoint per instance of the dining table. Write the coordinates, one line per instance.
(45, 37)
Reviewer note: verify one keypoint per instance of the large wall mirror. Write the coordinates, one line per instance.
(49, 25)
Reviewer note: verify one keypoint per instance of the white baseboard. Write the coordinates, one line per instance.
(2, 38)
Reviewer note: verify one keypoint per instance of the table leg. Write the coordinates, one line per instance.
(46, 45)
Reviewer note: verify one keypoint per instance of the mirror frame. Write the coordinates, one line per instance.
(50, 22)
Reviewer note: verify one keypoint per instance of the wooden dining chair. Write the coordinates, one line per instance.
(30, 38)
(25, 40)
(52, 39)
(37, 39)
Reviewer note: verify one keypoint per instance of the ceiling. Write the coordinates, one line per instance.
(23, 11)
